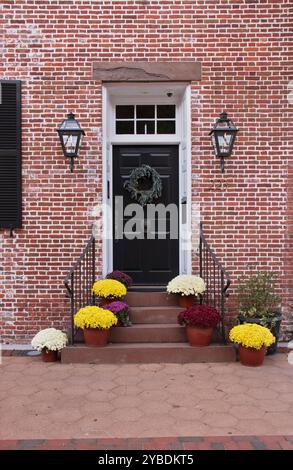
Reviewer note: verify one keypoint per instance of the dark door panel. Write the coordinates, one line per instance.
(148, 261)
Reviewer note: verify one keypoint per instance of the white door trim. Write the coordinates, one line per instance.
(182, 97)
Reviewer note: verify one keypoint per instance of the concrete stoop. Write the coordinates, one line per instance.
(154, 337)
(147, 353)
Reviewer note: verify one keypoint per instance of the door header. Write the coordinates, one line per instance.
(146, 71)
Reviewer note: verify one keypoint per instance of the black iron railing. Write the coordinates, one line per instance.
(216, 278)
(79, 282)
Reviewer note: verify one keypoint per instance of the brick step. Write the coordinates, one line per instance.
(150, 299)
(137, 353)
(159, 315)
(148, 333)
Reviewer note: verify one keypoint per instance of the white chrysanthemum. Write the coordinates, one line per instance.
(50, 338)
(186, 285)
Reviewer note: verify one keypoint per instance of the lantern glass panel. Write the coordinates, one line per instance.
(224, 141)
(70, 143)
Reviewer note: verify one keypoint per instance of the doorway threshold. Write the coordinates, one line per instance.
(147, 288)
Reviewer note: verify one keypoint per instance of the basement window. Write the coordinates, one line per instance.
(145, 119)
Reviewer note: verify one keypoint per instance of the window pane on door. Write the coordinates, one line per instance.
(166, 111)
(145, 111)
(145, 127)
(165, 127)
(124, 112)
(124, 127)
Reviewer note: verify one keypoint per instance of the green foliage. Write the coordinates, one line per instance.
(256, 295)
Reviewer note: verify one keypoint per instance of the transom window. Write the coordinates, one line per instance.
(145, 119)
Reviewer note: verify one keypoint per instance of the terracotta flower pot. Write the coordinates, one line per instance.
(199, 336)
(273, 324)
(49, 356)
(186, 301)
(96, 337)
(251, 357)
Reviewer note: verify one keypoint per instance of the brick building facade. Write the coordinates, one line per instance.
(243, 48)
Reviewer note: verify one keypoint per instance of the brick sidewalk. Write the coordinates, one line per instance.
(87, 401)
(159, 443)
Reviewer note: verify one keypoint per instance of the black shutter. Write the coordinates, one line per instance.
(10, 154)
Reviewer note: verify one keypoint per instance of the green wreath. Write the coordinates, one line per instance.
(133, 185)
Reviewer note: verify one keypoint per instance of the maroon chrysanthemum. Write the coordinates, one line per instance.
(121, 277)
(199, 315)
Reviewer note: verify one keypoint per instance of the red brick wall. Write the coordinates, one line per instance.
(243, 46)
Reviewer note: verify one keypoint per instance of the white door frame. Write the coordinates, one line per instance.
(146, 93)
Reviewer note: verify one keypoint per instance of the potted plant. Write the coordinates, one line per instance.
(252, 340)
(121, 310)
(95, 323)
(121, 277)
(200, 321)
(258, 302)
(109, 289)
(49, 342)
(187, 287)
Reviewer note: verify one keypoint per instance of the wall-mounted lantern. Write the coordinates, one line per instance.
(70, 134)
(223, 135)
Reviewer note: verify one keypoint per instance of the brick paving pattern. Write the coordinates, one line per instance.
(57, 401)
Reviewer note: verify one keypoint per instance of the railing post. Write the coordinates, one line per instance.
(72, 298)
(200, 259)
(93, 267)
(200, 250)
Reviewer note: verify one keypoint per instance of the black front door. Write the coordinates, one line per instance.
(148, 260)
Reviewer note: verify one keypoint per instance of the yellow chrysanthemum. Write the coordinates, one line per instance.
(252, 335)
(94, 317)
(109, 289)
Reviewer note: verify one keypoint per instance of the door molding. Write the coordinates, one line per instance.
(119, 93)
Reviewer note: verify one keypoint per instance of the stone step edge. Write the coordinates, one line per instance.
(156, 307)
(151, 346)
(143, 288)
(149, 353)
(151, 325)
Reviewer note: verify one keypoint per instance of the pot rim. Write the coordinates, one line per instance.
(46, 350)
(97, 329)
(183, 295)
(252, 349)
(200, 327)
